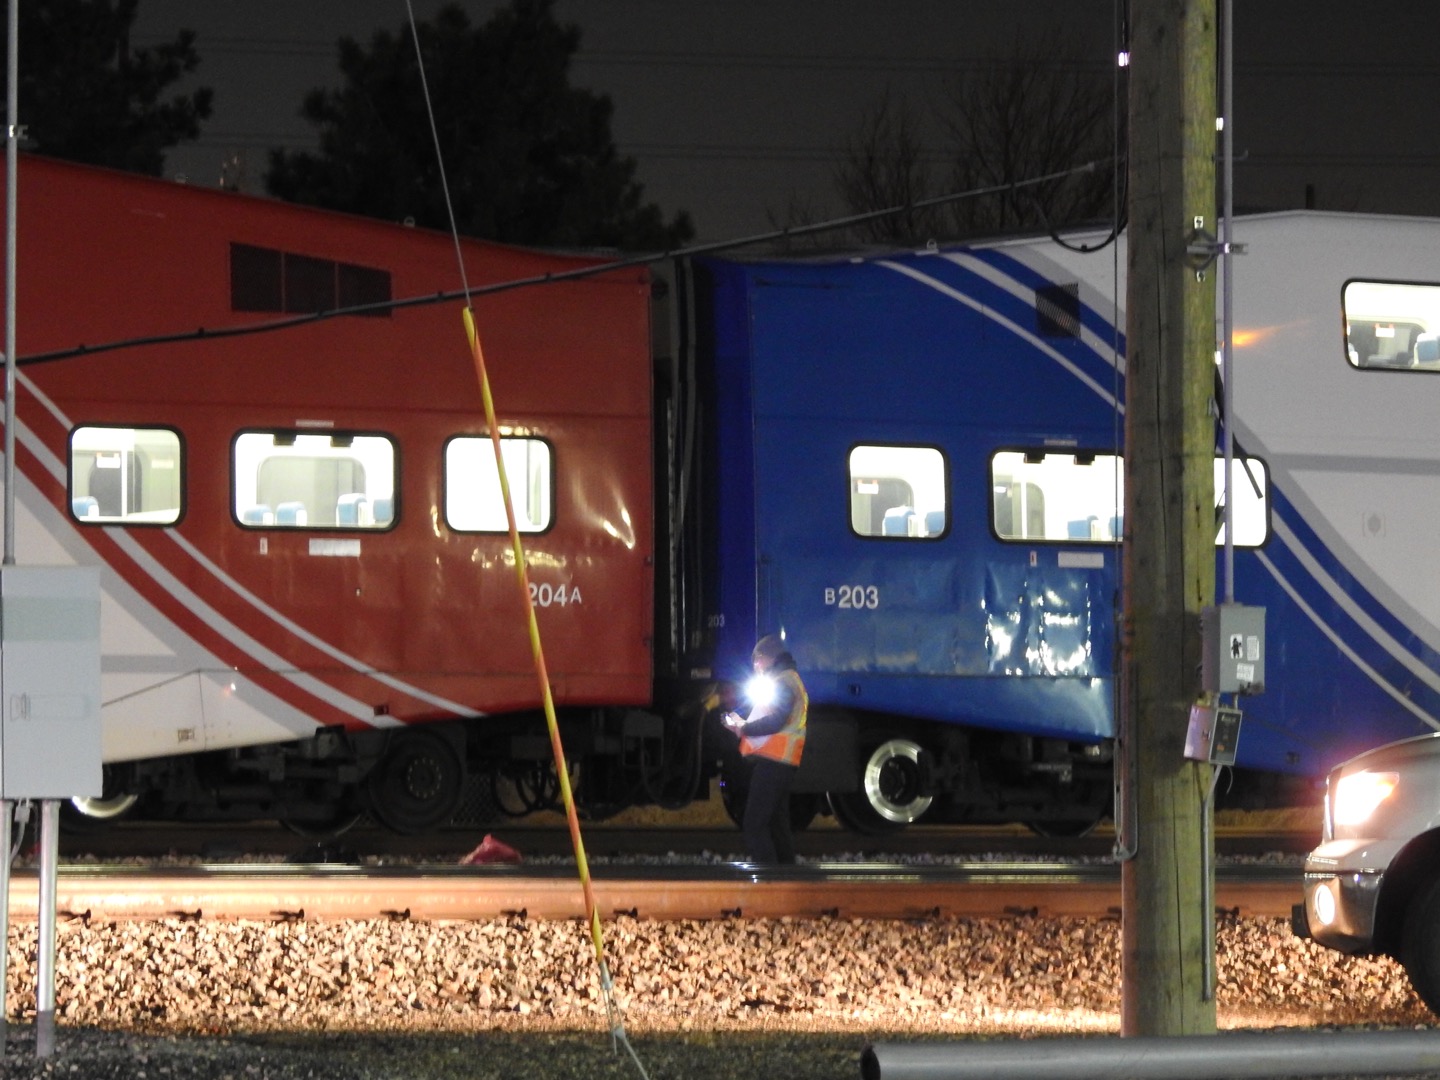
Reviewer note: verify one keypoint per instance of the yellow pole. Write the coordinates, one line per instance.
(592, 915)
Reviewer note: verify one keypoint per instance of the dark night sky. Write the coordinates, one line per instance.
(734, 107)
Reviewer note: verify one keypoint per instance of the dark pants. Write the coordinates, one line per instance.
(766, 823)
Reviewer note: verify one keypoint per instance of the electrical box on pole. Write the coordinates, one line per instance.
(49, 682)
(1232, 661)
(1213, 734)
(1232, 649)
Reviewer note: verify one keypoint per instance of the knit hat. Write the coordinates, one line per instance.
(770, 647)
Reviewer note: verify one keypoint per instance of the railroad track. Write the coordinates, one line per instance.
(219, 843)
(889, 890)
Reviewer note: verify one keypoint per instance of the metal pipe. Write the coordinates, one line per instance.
(12, 166)
(49, 887)
(7, 808)
(1235, 1055)
(1227, 280)
(1227, 265)
(1207, 888)
(12, 135)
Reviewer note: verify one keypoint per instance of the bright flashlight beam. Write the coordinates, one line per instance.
(760, 691)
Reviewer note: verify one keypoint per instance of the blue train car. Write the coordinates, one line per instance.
(922, 488)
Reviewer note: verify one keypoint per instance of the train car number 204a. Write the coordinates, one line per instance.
(543, 594)
(854, 597)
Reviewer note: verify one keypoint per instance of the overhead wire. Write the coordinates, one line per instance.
(1127, 840)
(592, 913)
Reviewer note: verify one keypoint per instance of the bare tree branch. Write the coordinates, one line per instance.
(1036, 112)
(1040, 111)
(885, 165)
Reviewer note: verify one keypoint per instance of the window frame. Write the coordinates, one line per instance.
(1030, 452)
(128, 520)
(1424, 318)
(329, 434)
(551, 477)
(944, 488)
(266, 279)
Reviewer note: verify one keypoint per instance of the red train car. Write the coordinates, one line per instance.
(309, 604)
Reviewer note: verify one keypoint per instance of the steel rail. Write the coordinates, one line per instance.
(268, 892)
(211, 841)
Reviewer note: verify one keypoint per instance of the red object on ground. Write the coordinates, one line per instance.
(491, 850)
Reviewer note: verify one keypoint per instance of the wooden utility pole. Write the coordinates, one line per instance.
(1169, 551)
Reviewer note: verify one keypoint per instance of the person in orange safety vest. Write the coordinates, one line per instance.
(772, 738)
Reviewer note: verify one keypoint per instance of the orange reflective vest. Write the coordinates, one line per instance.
(787, 744)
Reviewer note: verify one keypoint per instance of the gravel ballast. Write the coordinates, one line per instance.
(516, 998)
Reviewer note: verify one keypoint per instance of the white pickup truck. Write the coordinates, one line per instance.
(1373, 884)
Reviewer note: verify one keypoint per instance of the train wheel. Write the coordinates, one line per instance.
(890, 796)
(114, 803)
(328, 828)
(1420, 943)
(81, 814)
(417, 785)
(1088, 813)
(1066, 828)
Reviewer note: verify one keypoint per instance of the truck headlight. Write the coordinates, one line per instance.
(1325, 907)
(1358, 795)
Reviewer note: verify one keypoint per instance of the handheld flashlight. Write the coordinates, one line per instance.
(760, 690)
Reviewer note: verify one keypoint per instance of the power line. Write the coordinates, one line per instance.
(246, 46)
(220, 139)
(784, 61)
(259, 140)
(1357, 160)
(843, 62)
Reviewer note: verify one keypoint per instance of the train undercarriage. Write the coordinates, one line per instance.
(875, 774)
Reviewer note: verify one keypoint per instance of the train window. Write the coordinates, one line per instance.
(1250, 492)
(1019, 508)
(898, 492)
(473, 499)
(264, 279)
(125, 475)
(1079, 498)
(1040, 495)
(1392, 325)
(305, 480)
